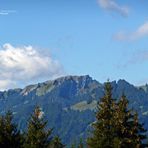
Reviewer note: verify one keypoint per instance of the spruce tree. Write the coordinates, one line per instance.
(116, 125)
(37, 135)
(10, 136)
(103, 132)
(56, 143)
(129, 131)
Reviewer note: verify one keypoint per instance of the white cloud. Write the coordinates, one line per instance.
(20, 65)
(111, 5)
(140, 32)
(5, 83)
(6, 12)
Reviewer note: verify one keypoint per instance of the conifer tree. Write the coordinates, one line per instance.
(56, 143)
(10, 136)
(103, 127)
(129, 131)
(37, 135)
(116, 125)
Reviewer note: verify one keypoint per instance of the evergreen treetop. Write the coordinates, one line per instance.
(10, 136)
(116, 125)
(37, 135)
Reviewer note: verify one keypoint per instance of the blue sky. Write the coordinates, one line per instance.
(41, 40)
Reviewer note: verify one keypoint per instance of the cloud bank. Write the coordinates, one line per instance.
(140, 32)
(22, 65)
(111, 5)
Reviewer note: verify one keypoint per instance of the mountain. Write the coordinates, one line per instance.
(69, 103)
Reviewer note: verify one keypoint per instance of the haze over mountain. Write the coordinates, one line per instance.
(69, 103)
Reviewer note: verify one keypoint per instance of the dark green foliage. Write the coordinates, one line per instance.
(56, 143)
(116, 125)
(129, 132)
(103, 127)
(10, 137)
(37, 135)
(73, 145)
(81, 144)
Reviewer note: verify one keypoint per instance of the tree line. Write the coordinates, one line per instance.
(36, 136)
(116, 126)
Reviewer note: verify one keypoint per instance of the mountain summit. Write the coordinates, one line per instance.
(69, 103)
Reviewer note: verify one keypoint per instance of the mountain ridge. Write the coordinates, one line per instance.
(69, 103)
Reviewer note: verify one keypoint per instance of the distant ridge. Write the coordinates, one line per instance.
(69, 103)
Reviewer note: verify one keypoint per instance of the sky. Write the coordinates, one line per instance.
(45, 39)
